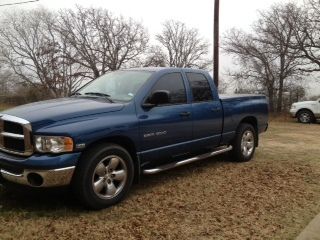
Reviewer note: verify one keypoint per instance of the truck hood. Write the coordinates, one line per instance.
(51, 111)
(305, 103)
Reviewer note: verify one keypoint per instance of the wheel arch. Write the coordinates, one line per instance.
(304, 109)
(253, 121)
(125, 142)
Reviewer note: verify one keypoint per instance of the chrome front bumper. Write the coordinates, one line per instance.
(41, 178)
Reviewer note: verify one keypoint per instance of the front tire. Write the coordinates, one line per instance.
(244, 144)
(305, 116)
(103, 176)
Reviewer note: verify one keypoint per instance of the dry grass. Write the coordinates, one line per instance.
(272, 197)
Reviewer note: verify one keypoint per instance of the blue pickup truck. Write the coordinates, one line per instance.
(122, 125)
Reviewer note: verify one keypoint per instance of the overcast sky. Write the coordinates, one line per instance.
(198, 14)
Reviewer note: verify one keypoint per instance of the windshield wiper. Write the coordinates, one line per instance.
(76, 94)
(107, 96)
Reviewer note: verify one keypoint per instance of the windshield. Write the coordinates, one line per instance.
(119, 86)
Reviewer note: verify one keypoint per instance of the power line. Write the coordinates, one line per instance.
(18, 3)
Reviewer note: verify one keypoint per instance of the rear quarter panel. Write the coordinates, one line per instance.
(237, 108)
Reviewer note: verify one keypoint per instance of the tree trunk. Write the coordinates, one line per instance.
(96, 73)
(280, 96)
(281, 80)
(271, 100)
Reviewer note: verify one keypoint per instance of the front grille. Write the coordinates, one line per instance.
(14, 144)
(15, 136)
(12, 127)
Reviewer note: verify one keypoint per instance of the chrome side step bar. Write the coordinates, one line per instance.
(186, 161)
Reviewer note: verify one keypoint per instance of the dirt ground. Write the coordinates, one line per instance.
(272, 197)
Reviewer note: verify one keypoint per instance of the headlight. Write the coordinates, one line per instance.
(53, 144)
(293, 106)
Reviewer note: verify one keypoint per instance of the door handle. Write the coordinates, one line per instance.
(185, 114)
(216, 109)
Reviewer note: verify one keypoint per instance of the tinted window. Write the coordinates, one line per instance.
(173, 83)
(201, 90)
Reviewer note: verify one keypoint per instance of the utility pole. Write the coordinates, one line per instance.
(216, 42)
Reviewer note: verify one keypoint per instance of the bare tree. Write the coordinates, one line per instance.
(183, 46)
(101, 41)
(6, 81)
(155, 57)
(296, 93)
(307, 34)
(265, 57)
(223, 85)
(35, 52)
(57, 51)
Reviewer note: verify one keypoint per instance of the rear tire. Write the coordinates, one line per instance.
(103, 176)
(305, 116)
(244, 144)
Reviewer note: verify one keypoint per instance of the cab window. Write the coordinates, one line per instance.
(201, 90)
(173, 83)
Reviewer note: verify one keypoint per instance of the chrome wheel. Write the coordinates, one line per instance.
(247, 143)
(109, 177)
(305, 117)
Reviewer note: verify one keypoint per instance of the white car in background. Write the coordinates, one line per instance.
(306, 112)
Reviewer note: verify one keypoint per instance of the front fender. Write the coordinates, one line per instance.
(94, 128)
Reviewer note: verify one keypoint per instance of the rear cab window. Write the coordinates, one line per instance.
(200, 87)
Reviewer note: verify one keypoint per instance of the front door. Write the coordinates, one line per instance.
(164, 129)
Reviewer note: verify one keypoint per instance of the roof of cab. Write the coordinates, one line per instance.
(164, 69)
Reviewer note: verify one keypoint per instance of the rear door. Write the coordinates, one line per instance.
(207, 114)
(164, 129)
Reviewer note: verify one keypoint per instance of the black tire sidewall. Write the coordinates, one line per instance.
(237, 151)
(82, 183)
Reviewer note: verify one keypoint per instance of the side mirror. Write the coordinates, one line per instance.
(159, 97)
